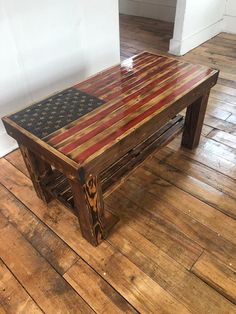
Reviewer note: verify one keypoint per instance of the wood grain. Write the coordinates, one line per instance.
(51, 247)
(13, 297)
(95, 290)
(197, 170)
(40, 280)
(169, 274)
(216, 275)
(195, 187)
(170, 225)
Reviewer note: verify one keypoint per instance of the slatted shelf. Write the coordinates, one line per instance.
(58, 185)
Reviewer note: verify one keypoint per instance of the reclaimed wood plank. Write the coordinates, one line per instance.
(152, 213)
(223, 137)
(188, 204)
(232, 119)
(218, 113)
(208, 158)
(51, 292)
(217, 275)
(206, 129)
(220, 103)
(168, 273)
(102, 297)
(197, 170)
(220, 124)
(16, 159)
(13, 297)
(204, 192)
(48, 244)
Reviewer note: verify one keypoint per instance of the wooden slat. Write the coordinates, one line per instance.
(51, 292)
(13, 297)
(216, 275)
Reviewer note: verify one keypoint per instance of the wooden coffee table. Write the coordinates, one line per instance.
(81, 143)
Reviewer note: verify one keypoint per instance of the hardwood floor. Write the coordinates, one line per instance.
(174, 249)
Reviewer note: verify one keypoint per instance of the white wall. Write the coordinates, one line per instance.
(229, 23)
(196, 22)
(48, 45)
(163, 10)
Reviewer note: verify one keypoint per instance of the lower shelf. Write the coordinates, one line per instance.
(58, 185)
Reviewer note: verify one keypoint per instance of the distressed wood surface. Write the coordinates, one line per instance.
(173, 250)
(217, 275)
(13, 297)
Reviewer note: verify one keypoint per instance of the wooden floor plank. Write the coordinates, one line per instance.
(197, 170)
(164, 234)
(116, 269)
(218, 113)
(13, 297)
(208, 158)
(232, 119)
(195, 187)
(147, 213)
(174, 278)
(220, 124)
(205, 214)
(95, 290)
(213, 102)
(47, 243)
(16, 159)
(223, 137)
(51, 292)
(217, 275)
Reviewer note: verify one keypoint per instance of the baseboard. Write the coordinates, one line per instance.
(7, 144)
(229, 24)
(179, 48)
(158, 11)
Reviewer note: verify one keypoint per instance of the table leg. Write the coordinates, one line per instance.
(38, 169)
(194, 121)
(88, 202)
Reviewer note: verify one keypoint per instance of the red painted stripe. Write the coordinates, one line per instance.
(96, 89)
(114, 70)
(121, 115)
(122, 80)
(134, 83)
(91, 150)
(100, 115)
